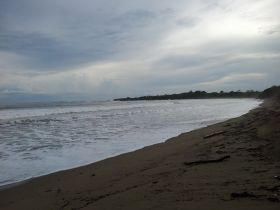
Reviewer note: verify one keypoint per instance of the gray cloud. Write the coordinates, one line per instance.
(188, 22)
(114, 48)
(67, 35)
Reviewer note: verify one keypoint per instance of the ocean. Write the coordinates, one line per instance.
(39, 141)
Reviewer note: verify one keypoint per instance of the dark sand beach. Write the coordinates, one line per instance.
(229, 165)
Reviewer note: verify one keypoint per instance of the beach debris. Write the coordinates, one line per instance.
(65, 203)
(243, 195)
(214, 134)
(208, 161)
(277, 177)
(220, 152)
(274, 189)
(227, 125)
(274, 198)
(49, 190)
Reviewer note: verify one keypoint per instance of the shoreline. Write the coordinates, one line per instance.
(190, 125)
(88, 186)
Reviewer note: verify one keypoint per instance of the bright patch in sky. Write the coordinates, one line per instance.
(93, 49)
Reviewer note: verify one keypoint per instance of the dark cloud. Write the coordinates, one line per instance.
(121, 47)
(59, 36)
(84, 41)
(49, 53)
(188, 22)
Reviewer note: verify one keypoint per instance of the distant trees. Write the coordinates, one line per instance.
(273, 91)
(197, 95)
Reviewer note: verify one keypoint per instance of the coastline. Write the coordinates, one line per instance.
(111, 134)
(169, 176)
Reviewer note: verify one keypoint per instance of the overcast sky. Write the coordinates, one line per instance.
(101, 49)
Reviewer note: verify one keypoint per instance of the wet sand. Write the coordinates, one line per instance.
(230, 165)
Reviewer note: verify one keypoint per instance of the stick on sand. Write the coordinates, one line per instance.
(207, 161)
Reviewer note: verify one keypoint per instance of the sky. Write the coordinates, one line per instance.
(100, 49)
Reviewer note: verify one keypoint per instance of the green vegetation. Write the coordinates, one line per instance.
(273, 91)
(197, 95)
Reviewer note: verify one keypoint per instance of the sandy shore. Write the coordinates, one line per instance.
(230, 165)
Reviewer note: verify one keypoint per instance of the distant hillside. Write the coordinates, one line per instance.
(197, 95)
(273, 91)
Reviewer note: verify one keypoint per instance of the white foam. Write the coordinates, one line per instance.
(38, 141)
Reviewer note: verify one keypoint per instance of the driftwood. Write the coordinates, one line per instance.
(214, 134)
(207, 161)
(243, 195)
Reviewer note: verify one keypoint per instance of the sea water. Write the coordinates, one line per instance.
(38, 141)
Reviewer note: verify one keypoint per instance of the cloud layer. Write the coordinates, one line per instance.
(104, 49)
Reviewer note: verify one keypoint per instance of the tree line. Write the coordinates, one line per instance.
(196, 95)
(273, 91)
